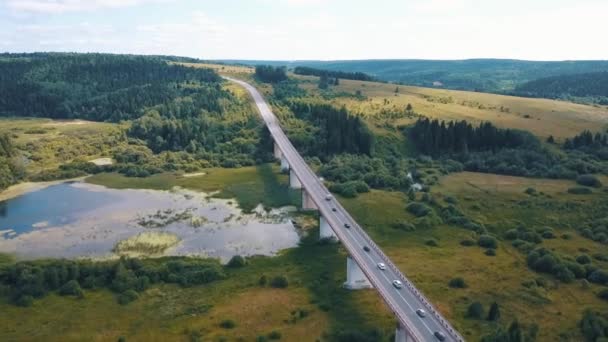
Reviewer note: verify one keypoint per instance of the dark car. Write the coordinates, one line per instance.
(439, 335)
(334, 209)
(346, 225)
(365, 248)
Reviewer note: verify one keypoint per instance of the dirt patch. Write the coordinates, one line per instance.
(67, 123)
(102, 161)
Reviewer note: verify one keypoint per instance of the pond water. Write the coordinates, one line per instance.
(83, 220)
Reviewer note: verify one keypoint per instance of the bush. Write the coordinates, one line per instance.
(599, 277)
(494, 313)
(487, 241)
(263, 280)
(589, 180)
(236, 261)
(457, 283)
(530, 191)
(71, 288)
(405, 226)
(579, 191)
(274, 335)
(603, 294)
(450, 200)
(583, 259)
(25, 301)
(431, 242)
(475, 311)
(227, 324)
(127, 297)
(467, 242)
(490, 252)
(279, 282)
(418, 209)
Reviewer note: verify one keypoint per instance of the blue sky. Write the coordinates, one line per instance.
(311, 29)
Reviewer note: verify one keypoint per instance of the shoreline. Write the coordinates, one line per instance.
(27, 187)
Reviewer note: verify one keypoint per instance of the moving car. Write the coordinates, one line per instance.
(365, 248)
(334, 209)
(381, 266)
(346, 225)
(421, 313)
(328, 197)
(439, 335)
(397, 284)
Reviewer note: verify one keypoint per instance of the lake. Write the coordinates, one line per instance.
(78, 219)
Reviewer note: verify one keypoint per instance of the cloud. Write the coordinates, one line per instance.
(62, 6)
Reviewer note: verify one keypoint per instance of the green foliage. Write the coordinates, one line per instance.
(11, 171)
(589, 180)
(457, 283)
(127, 297)
(279, 282)
(475, 311)
(236, 262)
(274, 335)
(514, 333)
(585, 87)
(579, 191)
(594, 326)
(71, 288)
(494, 313)
(487, 241)
(419, 209)
(431, 243)
(603, 294)
(227, 324)
(270, 74)
(359, 76)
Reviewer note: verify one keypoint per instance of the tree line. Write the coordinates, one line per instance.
(591, 86)
(270, 74)
(434, 137)
(358, 76)
(10, 169)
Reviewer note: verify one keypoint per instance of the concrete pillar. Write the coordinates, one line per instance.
(307, 202)
(284, 163)
(325, 231)
(401, 334)
(294, 182)
(277, 152)
(355, 278)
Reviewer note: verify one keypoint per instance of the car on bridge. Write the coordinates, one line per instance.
(421, 313)
(328, 197)
(439, 335)
(381, 266)
(346, 225)
(397, 284)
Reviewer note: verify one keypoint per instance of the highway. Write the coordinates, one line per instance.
(403, 302)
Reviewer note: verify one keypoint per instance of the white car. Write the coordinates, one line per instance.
(397, 284)
(381, 266)
(421, 313)
(328, 197)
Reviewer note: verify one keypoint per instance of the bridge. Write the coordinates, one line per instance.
(363, 263)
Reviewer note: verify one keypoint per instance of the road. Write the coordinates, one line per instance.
(403, 302)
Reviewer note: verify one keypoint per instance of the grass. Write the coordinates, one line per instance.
(556, 310)
(249, 185)
(540, 116)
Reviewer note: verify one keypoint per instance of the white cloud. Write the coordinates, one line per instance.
(62, 6)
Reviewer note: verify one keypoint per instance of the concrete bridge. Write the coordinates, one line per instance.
(367, 266)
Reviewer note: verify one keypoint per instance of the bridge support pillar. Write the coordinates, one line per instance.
(355, 278)
(284, 163)
(277, 152)
(307, 202)
(294, 182)
(325, 231)
(401, 334)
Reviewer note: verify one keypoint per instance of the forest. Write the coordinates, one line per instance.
(589, 87)
(489, 149)
(10, 169)
(270, 74)
(358, 76)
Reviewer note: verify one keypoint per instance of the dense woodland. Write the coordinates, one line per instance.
(270, 74)
(10, 169)
(587, 87)
(487, 148)
(359, 76)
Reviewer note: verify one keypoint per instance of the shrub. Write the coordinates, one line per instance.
(494, 313)
(263, 280)
(431, 242)
(589, 180)
(274, 335)
(450, 199)
(601, 257)
(599, 277)
(487, 241)
(583, 259)
(71, 288)
(405, 226)
(279, 282)
(475, 311)
(227, 324)
(418, 209)
(603, 294)
(579, 191)
(511, 234)
(490, 252)
(530, 191)
(457, 283)
(467, 242)
(127, 297)
(236, 261)
(25, 301)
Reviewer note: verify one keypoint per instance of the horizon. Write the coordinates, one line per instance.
(300, 30)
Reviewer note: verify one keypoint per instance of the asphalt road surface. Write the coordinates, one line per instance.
(403, 302)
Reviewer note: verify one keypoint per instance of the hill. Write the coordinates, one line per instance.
(587, 87)
(486, 75)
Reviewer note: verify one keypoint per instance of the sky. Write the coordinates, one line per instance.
(311, 29)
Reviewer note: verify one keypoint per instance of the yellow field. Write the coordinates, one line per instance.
(540, 116)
